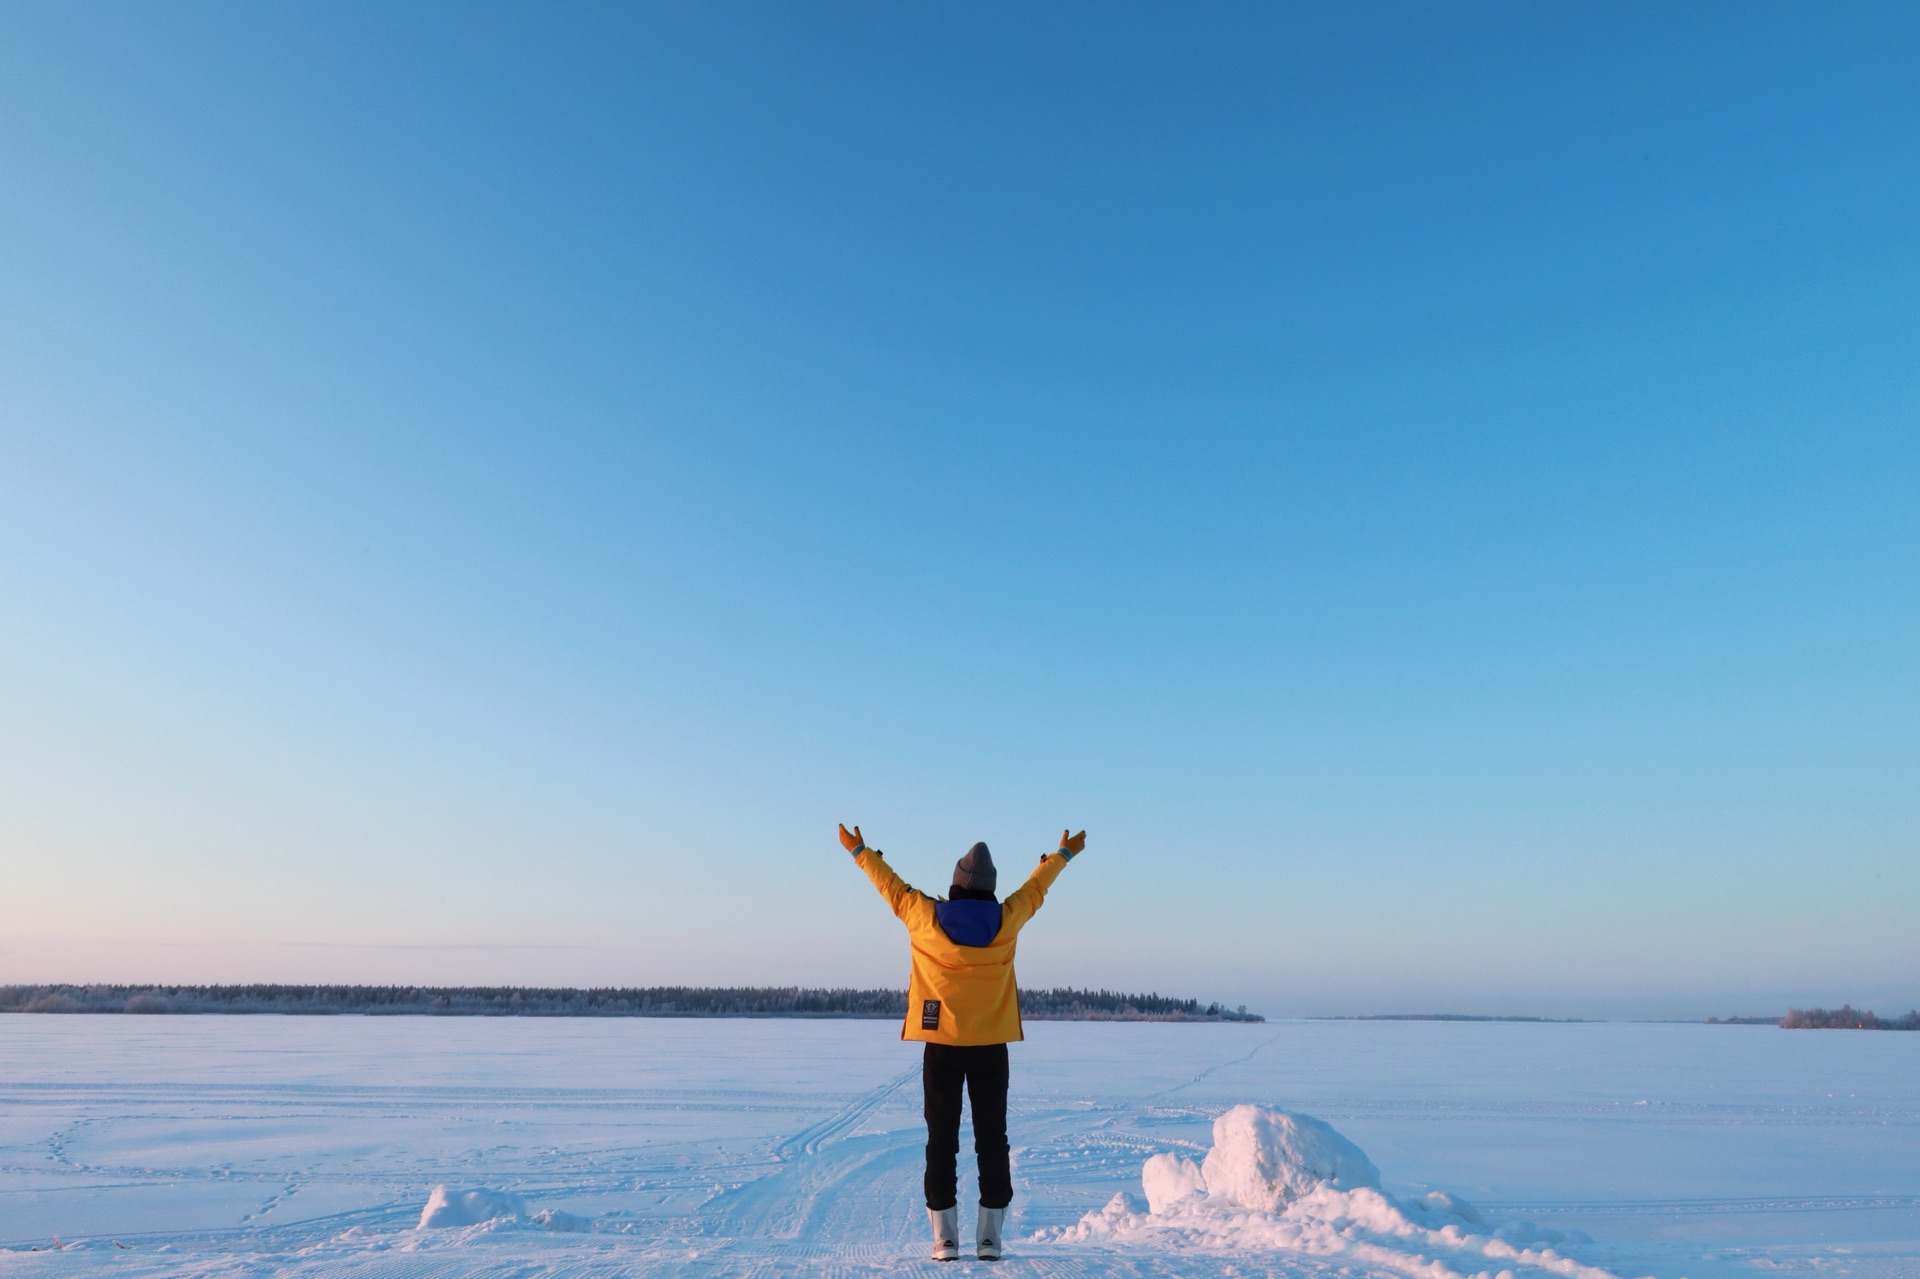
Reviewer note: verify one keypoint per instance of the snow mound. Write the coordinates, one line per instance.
(492, 1207)
(1266, 1159)
(470, 1207)
(1169, 1179)
(1281, 1182)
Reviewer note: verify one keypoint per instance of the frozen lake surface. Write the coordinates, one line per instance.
(254, 1146)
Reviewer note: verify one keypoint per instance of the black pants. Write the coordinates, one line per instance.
(983, 1071)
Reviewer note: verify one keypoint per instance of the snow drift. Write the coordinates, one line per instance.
(1276, 1181)
(482, 1206)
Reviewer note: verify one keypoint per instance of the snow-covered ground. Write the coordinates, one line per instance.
(254, 1146)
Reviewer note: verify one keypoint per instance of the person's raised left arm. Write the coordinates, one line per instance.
(1023, 901)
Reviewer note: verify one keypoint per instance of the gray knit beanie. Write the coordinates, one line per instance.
(975, 870)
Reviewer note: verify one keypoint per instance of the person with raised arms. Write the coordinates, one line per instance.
(964, 1005)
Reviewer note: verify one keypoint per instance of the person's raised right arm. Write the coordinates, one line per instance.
(901, 896)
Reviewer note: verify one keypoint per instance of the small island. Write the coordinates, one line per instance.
(1846, 1017)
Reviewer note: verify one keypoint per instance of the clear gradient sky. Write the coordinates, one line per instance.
(1434, 490)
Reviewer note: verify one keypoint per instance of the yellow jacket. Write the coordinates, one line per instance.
(960, 994)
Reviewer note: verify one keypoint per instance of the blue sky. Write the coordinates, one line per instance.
(484, 489)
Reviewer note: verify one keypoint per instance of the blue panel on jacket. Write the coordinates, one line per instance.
(969, 923)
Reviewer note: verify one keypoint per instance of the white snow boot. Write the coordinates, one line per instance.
(946, 1233)
(992, 1222)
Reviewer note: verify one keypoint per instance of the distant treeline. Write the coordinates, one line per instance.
(1846, 1017)
(1558, 1021)
(559, 1001)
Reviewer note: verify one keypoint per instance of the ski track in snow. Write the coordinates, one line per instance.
(1213, 1070)
(240, 1148)
(808, 1142)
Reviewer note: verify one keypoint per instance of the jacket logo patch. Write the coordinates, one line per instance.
(930, 1015)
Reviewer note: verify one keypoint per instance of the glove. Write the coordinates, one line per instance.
(1070, 844)
(851, 840)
